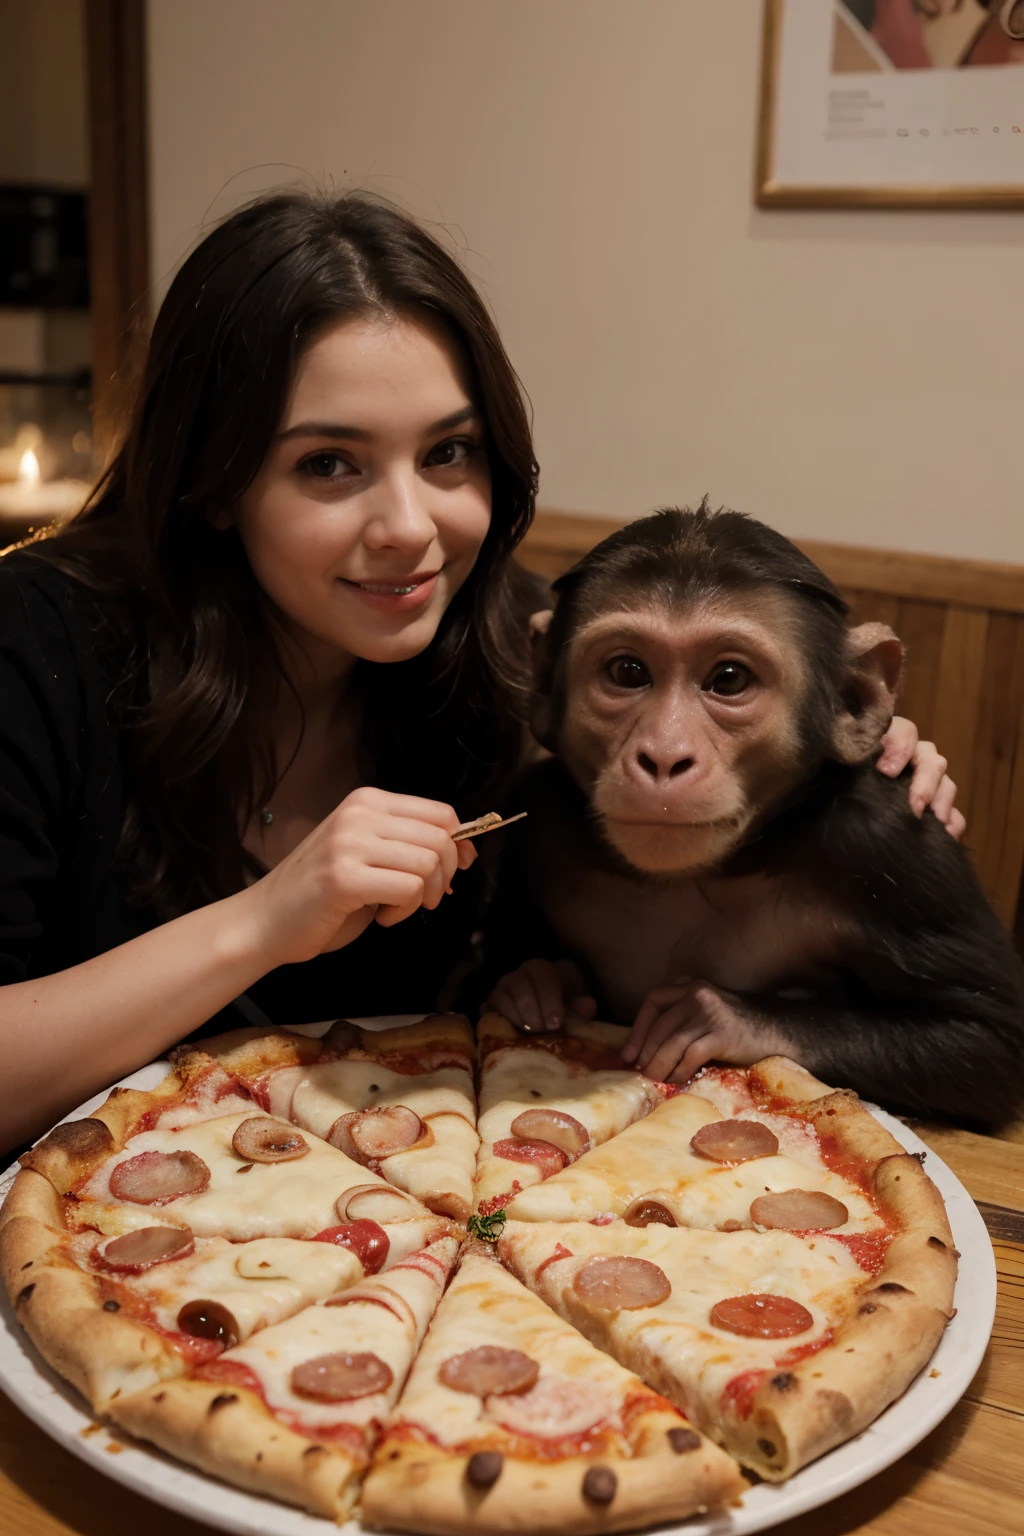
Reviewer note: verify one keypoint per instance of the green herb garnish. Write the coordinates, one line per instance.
(486, 1228)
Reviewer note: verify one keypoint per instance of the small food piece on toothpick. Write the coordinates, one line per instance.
(488, 823)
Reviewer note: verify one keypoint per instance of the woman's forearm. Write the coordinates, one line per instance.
(65, 1036)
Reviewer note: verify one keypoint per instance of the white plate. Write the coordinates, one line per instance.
(57, 1409)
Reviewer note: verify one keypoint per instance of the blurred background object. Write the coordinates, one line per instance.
(73, 246)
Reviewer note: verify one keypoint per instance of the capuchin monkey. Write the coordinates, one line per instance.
(710, 854)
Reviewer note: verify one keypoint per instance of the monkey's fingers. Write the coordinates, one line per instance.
(674, 1054)
(681, 1016)
(650, 1011)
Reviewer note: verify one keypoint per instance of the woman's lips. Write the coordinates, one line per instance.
(399, 596)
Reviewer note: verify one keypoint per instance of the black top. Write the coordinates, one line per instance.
(64, 783)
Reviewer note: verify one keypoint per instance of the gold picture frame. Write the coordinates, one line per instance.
(937, 116)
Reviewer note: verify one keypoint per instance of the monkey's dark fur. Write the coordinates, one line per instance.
(925, 1011)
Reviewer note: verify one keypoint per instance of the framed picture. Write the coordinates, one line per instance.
(892, 103)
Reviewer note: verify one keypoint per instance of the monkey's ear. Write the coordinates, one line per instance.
(874, 661)
(540, 699)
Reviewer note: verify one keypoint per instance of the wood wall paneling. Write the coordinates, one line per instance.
(962, 625)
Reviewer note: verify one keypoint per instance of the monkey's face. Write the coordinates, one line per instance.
(683, 726)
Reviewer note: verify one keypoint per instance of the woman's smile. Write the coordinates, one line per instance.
(395, 597)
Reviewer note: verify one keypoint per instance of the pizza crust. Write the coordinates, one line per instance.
(228, 1432)
(421, 1487)
(102, 1354)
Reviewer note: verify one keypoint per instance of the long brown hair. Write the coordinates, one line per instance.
(236, 321)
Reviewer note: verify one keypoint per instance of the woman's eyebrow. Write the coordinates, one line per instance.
(360, 435)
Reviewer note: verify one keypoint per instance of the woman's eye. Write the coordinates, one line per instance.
(728, 679)
(627, 672)
(324, 466)
(454, 450)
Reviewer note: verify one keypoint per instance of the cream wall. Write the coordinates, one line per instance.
(845, 375)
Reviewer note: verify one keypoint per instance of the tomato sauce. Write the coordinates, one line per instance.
(552, 1258)
(804, 1351)
(867, 1248)
(738, 1394)
(135, 1307)
(234, 1374)
(498, 1203)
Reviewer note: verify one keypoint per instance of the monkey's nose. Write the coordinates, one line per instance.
(666, 769)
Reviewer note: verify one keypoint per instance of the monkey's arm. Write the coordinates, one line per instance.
(935, 1017)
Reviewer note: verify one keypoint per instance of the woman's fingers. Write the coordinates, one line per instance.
(516, 999)
(929, 771)
(956, 826)
(898, 746)
(942, 805)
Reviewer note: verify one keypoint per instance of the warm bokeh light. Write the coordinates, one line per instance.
(28, 469)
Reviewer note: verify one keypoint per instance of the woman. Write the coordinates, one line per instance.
(248, 696)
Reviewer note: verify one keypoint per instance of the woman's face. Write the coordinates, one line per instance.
(374, 498)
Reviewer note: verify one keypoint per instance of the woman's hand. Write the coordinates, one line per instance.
(377, 856)
(679, 1029)
(540, 993)
(930, 786)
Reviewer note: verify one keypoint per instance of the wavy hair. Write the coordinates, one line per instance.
(199, 637)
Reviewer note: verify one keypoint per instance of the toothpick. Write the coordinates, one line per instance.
(489, 823)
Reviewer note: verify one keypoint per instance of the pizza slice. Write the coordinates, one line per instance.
(200, 1153)
(762, 1163)
(294, 1411)
(547, 1099)
(115, 1313)
(511, 1421)
(399, 1102)
(778, 1345)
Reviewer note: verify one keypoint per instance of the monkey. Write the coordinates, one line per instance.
(710, 854)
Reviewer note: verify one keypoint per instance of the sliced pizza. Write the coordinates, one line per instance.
(296, 1409)
(545, 1100)
(689, 1165)
(779, 1345)
(399, 1102)
(114, 1313)
(511, 1421)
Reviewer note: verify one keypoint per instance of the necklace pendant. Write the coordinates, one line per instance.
(266, 816)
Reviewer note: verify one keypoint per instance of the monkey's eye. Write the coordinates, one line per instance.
(728, 679)
(627, 672)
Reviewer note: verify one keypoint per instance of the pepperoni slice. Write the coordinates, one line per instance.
(761, 1316)
(366, 1239)
(646, 1212)
(734, 1141)
(799, 1210)
(621, 1283)
(209, 1320)
(375, 1202)
(488, 1370)
(552, 1409)
(262, 1139)
(544, 1157)
(154, 1178)
(135, 1251)
(367, 1135)
(340, 1377)
(555, 1127)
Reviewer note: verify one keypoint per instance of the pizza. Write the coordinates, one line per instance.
(494, 1283)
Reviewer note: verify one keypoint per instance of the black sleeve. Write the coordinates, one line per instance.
(42, 723)
(935, 1018)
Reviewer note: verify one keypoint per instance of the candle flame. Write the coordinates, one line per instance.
(28, 469)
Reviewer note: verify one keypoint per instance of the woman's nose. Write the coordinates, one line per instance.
(399, 517)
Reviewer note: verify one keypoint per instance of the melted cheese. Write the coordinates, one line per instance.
(703, 1268)
(287, 1199)
(444, 1099)
(517, 1079)
(653, 1158)
(485, 1305)
(359, 1326)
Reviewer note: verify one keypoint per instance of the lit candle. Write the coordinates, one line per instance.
(43, 501)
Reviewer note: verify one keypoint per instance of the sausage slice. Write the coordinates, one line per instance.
(760, 1316)
(133, 1252)
(555, 1127)
(340, 1377)
(367, 1135)
(154, 1178)
(489, 1369)
(621, 1283)
(262, 1139)
(799, 1210)
(645, 1212)
(734, 1141)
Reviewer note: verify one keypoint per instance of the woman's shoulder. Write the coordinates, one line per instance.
(51, 620)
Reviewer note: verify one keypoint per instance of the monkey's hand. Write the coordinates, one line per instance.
(679, 1029)
(539, 994)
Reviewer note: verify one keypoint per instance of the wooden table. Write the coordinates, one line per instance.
(965, 1479)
